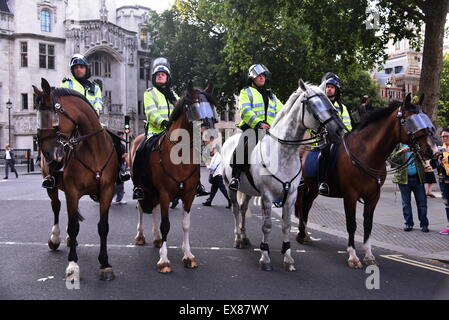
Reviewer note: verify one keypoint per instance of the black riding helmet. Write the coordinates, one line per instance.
(79, 59)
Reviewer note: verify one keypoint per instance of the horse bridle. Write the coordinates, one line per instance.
(70, 142)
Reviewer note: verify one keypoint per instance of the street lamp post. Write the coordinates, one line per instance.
(388, 85)
(9, 107)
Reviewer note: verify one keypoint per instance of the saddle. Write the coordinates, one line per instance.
(311, 165)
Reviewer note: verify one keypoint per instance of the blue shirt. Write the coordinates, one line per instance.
(411, 169)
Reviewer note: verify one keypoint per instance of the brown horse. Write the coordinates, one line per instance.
(360, 168)
(70, 135)
(166, 177)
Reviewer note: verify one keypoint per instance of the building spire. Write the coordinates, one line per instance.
(103, 12)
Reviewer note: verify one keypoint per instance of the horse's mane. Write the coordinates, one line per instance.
(379, 114)
(64, 92)
(293, 98)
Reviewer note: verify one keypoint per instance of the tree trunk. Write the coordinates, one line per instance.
(429, 84)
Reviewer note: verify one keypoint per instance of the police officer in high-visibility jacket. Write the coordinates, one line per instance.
(333, 92)
(258, 108)
(80, 69)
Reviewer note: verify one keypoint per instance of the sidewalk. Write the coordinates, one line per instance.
(327, 215)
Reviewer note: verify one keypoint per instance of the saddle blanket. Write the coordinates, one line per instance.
(311, 166)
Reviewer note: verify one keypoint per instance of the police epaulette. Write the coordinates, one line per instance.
(66, 79)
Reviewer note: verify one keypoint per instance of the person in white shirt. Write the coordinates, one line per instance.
(216, 171)
(9, 161)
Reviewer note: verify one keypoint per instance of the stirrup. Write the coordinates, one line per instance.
(138, 193)
(49, 182)
(323, 189)
(124, 176)
(234, 184)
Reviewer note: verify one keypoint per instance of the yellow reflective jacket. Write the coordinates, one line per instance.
(344, 115)
(252, 107)
(95, 98)
(157, 109)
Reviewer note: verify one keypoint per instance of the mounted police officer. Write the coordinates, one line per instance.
(333, 92)
(258, 108)
(80, 69)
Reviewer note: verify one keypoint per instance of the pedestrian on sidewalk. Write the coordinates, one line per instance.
(443, 174)
(119, 191)
(429, 176)
(411, 179)
(9, 161)
(216, 177)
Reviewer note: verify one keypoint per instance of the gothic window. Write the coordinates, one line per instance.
(45, 21)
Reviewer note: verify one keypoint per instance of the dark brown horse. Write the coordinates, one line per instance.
(70, 135)
(172, 171)
(360, 168)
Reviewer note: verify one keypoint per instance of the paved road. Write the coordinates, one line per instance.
(224, 272)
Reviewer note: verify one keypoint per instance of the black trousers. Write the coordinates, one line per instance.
(9, 163)
(217, 183)
(248, 144)
(323, 164)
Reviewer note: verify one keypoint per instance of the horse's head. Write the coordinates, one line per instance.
(48, 124)
(416, 128)
(318, 113)
(199, 105)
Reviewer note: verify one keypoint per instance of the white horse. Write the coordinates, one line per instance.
(276, 166)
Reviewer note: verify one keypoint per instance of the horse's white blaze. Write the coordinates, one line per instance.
(352, 254)
(185, 238)
(155, 219)
(140, 229)
(55, 237)
(163, 254)
(367, 247)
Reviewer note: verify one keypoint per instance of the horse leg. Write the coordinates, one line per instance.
(238, 243)
(139, 239)
(157, 240)
(351, 226)
(368, 213)
(72, 272)
(55, 237)
(106, 272)
(163, 265)
(265, 261)
(188, 259)
(243, 208)
(304, 202)
(289, 262)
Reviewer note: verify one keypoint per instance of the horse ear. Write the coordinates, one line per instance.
(45, 87)
(37, 91)
(190, 88)
(209, 87)
(421, 99)
(302, 85)
(408, 99)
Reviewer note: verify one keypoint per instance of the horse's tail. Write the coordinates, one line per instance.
(79, 216)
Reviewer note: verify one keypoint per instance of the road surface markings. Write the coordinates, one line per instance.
(400, 258)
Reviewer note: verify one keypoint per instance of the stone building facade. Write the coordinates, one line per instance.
(37, 40)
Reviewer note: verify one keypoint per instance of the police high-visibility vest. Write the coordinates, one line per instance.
(95, 98)
(157, 109)
(344, 115)
(252, 107)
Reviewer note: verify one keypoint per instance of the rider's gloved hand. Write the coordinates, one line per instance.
(165, 123)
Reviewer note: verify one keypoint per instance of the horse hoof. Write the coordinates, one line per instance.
(139, 241)
(303, 240)
(246, 243)
(157, 243)
(164, 268)
(107, 274)
(289, 267)
(265, 266)
(238, 244)
(370, 262)
(53, 246)
(355, 264)
(190, 263)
